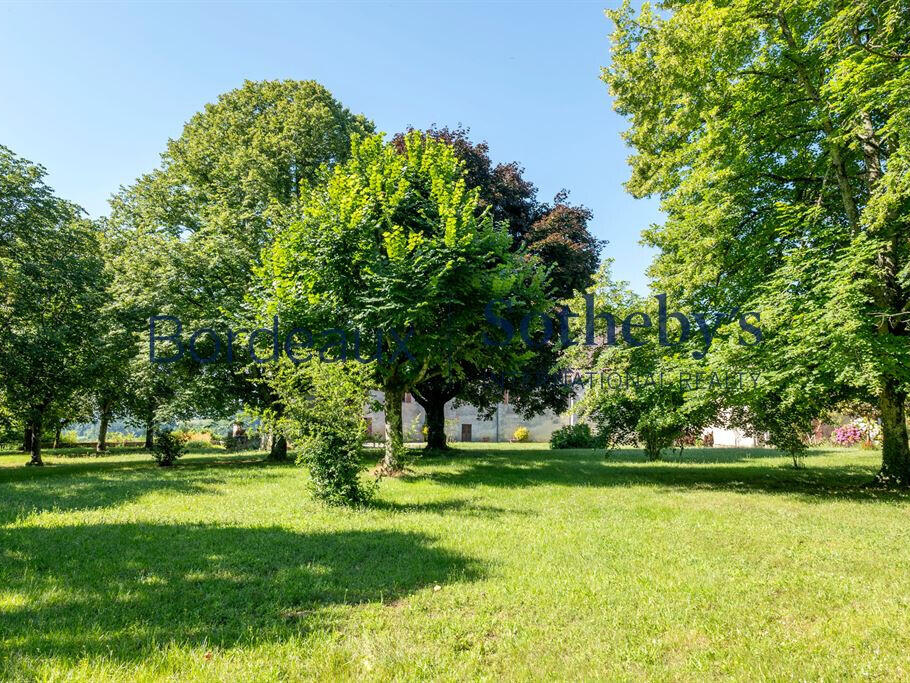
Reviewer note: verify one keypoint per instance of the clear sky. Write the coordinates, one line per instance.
(93, 91)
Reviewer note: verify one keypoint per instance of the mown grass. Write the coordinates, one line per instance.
(510, 562)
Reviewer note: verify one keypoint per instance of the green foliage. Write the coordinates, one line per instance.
(776, 140)
(573, 436)
(69, 438)
(52, 287)
(169, 446)
(196, 437)
(558, 235)
(333, 459)
(323, 412)
(186, 237)
(650, 416)
(393, 242)
(120, 438)
(638, 395)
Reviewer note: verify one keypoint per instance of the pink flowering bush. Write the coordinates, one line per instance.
(847, 435)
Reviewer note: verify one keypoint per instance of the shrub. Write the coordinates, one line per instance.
(69, 438)
(119, 438)
(168, 447)
(521, 434)
(573, 436)
(181, 435)
(194, 437)
(237, 443)
(333, 460)
(847, 435)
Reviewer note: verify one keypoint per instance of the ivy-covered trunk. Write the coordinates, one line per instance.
(895, 450)
(394, 441)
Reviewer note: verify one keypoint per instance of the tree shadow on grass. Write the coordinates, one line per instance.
(445, 507)
(97, 484)
(730, 470)
(123, 590)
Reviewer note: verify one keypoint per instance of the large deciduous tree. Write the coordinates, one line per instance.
(212, 207)
(391, 250)
(558, 235)
(51, 290)
(777, 136)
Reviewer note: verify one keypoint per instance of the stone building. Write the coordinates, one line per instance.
(464, 424)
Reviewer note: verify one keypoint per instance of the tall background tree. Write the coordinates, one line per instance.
(205, 215)
(52, 291)
(776, 135)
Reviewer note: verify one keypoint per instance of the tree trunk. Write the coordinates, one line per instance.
(436, 424)
(895, 450)
(37, 425)
(652, 448)
(27, 441)
(57, 436)
(394, 441)
(149, 436)
(432, 395)
(279, 450)
(101, 446)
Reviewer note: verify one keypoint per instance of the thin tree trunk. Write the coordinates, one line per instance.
(394, 441)
(279, 450)
(57, 436)
(149, 436)
(895, 469)
(101, 446)
(37, 425)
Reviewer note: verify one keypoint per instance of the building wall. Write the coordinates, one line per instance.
(505, 421)
(731, 437)
(500, 427)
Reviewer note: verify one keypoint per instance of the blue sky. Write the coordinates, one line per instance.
(93, 91)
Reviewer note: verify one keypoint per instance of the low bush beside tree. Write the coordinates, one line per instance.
(324, 406)
(573, 436)
(168, 447)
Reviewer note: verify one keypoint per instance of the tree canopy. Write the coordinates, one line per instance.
(390, 249)
(52, 291)
(776, 137)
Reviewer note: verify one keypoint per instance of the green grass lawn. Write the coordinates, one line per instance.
(509, 562)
